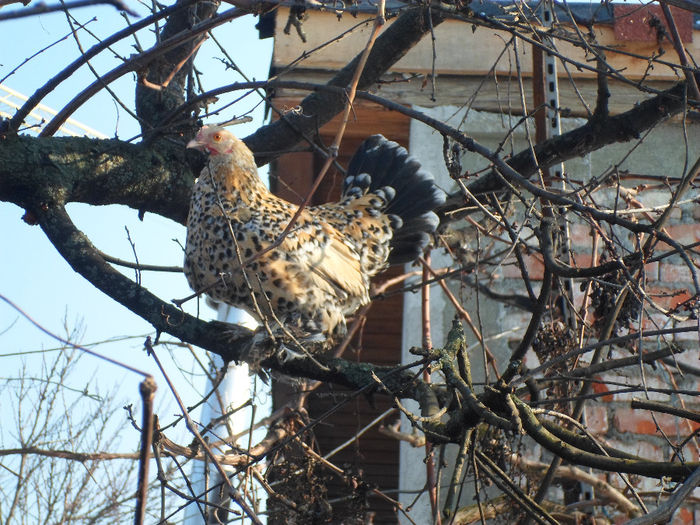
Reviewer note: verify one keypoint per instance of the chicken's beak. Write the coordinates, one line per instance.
(195, 144)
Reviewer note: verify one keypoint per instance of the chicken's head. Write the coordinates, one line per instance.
(215, 140)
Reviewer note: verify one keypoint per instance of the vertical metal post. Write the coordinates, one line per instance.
(549, 95)
(552, 127)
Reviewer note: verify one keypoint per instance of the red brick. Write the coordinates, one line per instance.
(652, 271)
(580, 235)
(684, 516)
(633, 23)
(628, 420)
(599, 388)
(641, 422)
(681, 233)
(582, 260)
(685, 233)
(534, 266)
(668, 297)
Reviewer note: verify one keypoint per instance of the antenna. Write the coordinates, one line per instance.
(13, 100)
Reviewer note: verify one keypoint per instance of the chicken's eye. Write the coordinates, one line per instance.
(217, 137)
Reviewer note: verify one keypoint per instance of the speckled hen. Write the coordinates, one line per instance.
(320, 272)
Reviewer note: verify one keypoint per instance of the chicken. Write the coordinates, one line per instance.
(320, 272)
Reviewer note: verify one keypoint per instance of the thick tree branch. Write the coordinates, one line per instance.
(653, 469)
(663, 513)
(140, 62)
(42, 8)
(70, 455)
(158, 180)
(43, 171)
(606, 490)
(217, 337)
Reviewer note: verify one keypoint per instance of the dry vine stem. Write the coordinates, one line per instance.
(430, 471)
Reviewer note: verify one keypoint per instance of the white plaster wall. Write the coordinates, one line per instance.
(426, 146)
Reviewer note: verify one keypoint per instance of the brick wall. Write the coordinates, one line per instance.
(610, 417)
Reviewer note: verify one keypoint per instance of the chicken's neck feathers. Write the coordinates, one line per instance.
(235, 178)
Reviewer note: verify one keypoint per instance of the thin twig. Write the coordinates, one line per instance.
(147, 388)
(69, 343)
(680, 51)
(42, 8)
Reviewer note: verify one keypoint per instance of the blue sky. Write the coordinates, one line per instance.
(33, 274)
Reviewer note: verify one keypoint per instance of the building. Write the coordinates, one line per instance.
(473, 84)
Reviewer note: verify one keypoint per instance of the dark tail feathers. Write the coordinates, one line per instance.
(379, 164)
